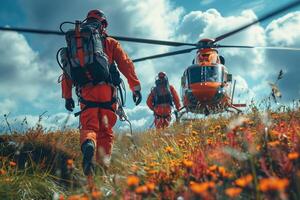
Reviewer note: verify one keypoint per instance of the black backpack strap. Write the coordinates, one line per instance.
(91, 104)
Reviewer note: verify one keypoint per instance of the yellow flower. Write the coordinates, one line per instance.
(169, 149)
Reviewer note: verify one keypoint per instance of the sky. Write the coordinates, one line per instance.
(29, 72)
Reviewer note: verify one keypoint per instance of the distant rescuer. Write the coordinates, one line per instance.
(88, 63)
(161, 100)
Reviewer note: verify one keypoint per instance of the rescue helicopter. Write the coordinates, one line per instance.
(206, 84)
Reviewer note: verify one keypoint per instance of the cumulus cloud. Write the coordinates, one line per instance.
(285, 32)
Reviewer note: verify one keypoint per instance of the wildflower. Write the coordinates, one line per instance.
(70, 164)
(244, 181)
(187, 163)
(199, 188)
(12, 164)
(213, 168)
(96, 194)
(233, 192)
(209, 141)
(61, 197)
(223, 172)
(274, 143)
(273, 183)
(132, 181)
(169, 149)
(150, 186)
(293, 156)
(2, 172)
(141, 189)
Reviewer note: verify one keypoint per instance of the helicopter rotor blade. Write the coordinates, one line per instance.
(257, 47)
(29, 30)
(166, 54)
(120, 38)
(150, 41)
(263, 18)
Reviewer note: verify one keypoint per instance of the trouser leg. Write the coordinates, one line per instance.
(89, 120)
(105, 136)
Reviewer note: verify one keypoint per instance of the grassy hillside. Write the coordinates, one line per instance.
(253, 156)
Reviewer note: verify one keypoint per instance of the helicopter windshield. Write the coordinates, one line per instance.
(205, 74)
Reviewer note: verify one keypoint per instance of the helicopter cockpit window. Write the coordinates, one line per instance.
(213, 74)
(205, 74)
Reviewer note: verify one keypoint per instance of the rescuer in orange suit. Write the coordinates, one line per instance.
(161, 100)
(96, 134)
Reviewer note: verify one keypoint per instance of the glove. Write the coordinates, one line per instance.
(137, 97)
(69, 105)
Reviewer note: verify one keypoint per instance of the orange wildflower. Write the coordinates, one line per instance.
(233, 192)
(143, 189)
(96, 194)
(187, 163)
(274, 143)
(2, 172)
(70, 163)
(213, 168)
(273, 183)
(199, 188)
(293, 156)
(61, 197)
(12, 164)
(150, 186)
(209, 141)
(169, 149)
(132, 181)
(244, 181)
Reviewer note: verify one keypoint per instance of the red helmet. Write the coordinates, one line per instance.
(162, 75)
(99, 15)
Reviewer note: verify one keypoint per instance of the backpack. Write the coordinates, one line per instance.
(162, 93)
(84, 60)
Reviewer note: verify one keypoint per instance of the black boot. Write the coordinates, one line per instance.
(88, 148)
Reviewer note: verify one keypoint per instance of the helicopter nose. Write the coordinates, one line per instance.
(205, 91)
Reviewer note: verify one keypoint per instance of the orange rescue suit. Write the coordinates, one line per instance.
(97, 123)
(162, 112)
